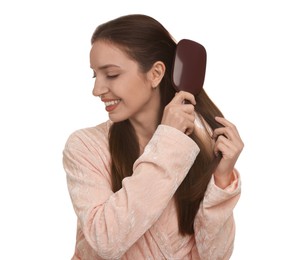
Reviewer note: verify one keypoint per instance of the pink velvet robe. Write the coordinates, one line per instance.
(140, 221)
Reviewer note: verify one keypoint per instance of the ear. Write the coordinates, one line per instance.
(156, 73)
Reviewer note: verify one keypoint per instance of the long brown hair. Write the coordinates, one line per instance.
(146, 41)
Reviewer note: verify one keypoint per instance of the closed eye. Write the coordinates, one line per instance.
(112, 76)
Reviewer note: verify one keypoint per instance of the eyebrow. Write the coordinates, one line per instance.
(107, 66)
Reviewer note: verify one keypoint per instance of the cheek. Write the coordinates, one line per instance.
(132, 89)
(142, 93)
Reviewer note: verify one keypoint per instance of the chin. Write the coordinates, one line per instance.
(117, 119)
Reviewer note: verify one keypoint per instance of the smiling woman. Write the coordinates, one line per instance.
(125, 90)
(157, 180)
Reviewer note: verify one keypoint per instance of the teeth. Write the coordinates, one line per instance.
(111, 103)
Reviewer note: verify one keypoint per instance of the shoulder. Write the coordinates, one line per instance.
(88, 148)
(85, 138)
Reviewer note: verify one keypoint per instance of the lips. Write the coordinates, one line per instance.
(110, 105)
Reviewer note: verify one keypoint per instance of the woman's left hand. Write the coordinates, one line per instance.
(229, 145)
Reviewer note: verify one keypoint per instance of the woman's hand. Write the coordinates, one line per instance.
(179, 114)
(229, 145)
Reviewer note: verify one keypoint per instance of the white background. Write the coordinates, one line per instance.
(254, 74)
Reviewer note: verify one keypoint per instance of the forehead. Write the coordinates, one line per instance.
(103, 52)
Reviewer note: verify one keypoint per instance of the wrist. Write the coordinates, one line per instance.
(223, 180)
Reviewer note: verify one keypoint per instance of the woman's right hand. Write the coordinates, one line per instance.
(179, 113)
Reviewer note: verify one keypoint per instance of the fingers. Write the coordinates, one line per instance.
(223, 121)
(180, 115)
(225, 148)
(227, 139)
(228, 145)
(229, 130)
(190, 124)
(181, 96)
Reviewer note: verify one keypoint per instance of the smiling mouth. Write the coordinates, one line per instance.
(111, 105)
(112, 102)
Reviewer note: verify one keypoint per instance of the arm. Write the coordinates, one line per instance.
(214, 223)
(112, 222)
(229, 145)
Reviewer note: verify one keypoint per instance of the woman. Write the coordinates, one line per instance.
(157, 180)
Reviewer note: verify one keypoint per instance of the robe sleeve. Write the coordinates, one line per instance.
(113, 222)
(214, 224)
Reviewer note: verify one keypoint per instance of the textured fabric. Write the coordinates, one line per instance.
(140, 221)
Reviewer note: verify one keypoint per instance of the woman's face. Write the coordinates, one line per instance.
(126, 92)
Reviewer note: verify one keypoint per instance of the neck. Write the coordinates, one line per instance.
(146, 124)
(145, 130)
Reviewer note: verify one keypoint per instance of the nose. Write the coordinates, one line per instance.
(100, 87)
